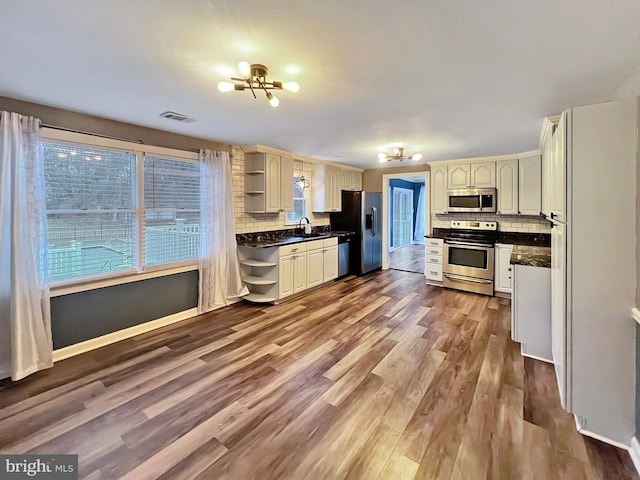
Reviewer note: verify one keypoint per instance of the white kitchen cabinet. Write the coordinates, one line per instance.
(507, 184)
(322, 261)
(530, 184)
(293, 274)
(472, 175)
(315, 267)
(330, 263)
(531, 311)
(547, 161)
(502, 274)
(439, 189)
(326, 188)
(268, 182)
(559, 171)
(259, 272)
(351, 179)
(433, 260)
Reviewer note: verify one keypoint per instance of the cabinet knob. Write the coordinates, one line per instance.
(553, 215)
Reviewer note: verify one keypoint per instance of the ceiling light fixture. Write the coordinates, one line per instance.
(398, 154)
(254, 77)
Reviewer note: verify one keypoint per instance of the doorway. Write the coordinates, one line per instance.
(405, 220)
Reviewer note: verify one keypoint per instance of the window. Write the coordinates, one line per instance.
(171, 210)
(96, 225)
(90, 210)
(299, 204)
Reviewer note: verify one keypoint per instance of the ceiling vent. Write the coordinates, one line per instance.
(177, 117)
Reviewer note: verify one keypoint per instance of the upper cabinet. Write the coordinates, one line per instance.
(326, 187)
(530, 184)
(268, 182)
(507, 173)
(350, 179)
(558, 197)
(439, 189)
(472, 175)
(547, 148)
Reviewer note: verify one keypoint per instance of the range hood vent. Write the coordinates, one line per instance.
(177, 117)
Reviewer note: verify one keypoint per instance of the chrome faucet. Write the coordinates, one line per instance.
(300, 222)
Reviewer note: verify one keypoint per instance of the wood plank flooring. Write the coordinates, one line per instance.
(408, 259)
(375, 377)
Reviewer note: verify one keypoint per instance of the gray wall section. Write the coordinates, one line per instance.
(637, 381)
(84, 315)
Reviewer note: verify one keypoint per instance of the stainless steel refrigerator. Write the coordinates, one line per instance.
(362, 214)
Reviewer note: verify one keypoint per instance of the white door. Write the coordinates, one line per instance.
(438, 189)
(315, 267)
(299, 272)
(402, 215)
(330, 263)
(286, 276)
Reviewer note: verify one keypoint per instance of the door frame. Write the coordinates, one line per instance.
(385, 208)
(392, 206)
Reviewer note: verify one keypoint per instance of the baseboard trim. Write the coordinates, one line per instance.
(108, 339)
(635, 314)
(634, 452)
(597, 436)
(545, 360)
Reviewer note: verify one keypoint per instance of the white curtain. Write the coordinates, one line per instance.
(25, 320)
(418, 231)
(220, 278)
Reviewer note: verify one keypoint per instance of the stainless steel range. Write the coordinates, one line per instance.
(468, 256)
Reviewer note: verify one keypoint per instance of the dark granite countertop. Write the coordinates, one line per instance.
(531, 256)
(510, 238)
(280, 238)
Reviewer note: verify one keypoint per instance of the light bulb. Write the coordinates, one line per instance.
(245, 69)
(396, 151)
(274, 101)
(382, 156)
(416, 156)
(291, 86)
(225, 86)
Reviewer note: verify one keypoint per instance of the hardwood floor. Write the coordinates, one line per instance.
(375, 377)
(409, 258)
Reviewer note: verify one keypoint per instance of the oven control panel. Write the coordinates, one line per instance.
(474, 225)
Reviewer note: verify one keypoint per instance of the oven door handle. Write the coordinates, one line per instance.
(471, 245)
(462, 278)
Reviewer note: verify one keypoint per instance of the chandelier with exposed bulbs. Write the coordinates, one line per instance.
(398, 154)
(254, 77)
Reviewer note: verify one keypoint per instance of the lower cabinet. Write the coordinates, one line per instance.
(502, 274)
(531, 311)
(322, 261)
(433, 260)
(274, 273)
(293, 274)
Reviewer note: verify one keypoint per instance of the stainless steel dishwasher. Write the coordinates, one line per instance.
(344, 244)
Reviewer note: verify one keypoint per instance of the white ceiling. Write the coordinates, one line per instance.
(450, 79)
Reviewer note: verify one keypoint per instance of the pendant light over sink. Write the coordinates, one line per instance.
(254, 77)
(398, 154)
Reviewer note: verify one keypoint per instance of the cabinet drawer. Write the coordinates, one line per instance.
(314, 245)
(433, 250)
(291, 249)
(434, 272)
(433, 242)
(433, 259)
(330, 242)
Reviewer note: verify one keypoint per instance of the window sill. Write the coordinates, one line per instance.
(93, 284)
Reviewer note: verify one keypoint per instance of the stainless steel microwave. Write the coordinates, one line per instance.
(472, 200)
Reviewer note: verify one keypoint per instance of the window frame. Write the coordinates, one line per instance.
(139, 271)
(288, 222)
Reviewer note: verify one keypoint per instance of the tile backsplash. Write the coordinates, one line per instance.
(263, 222)
(506, 223)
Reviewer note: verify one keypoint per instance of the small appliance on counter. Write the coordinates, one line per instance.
(361, 214)
(468, 256)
